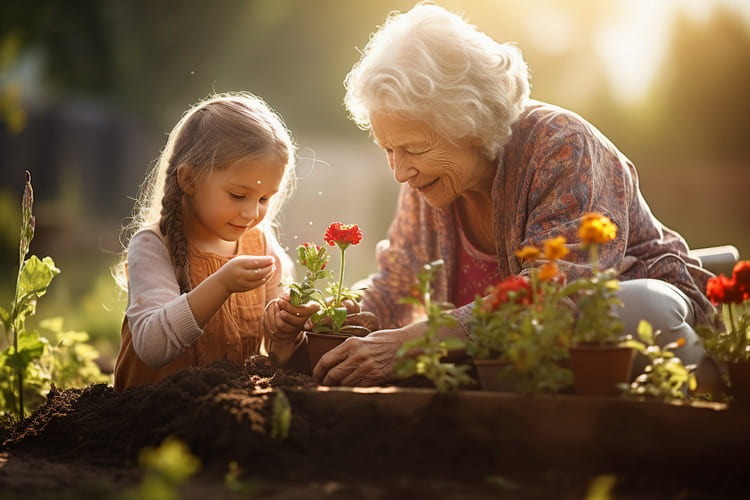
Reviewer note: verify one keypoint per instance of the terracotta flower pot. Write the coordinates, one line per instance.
(493, 376)
(320, 343)
(739, 379)
(598, 369)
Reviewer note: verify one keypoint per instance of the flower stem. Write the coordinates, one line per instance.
(337, 303)
(594, 256)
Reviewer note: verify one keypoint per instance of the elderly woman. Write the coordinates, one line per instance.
(484, 171)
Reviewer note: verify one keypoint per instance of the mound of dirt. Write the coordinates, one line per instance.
(386, 442)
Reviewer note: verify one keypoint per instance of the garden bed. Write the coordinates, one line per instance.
(384, 442)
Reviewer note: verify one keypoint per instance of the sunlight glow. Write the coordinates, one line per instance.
(633, 40)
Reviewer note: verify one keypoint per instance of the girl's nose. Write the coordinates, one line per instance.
(250, 211)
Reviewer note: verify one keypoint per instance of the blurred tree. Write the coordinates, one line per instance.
(72, 36)
(705, 103)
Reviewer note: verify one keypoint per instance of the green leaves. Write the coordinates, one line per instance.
(424, 356)
(30, 347)
(665, 378)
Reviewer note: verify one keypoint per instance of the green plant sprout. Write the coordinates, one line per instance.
(167, 467)
(665, 378)
(234, 482)
(282, 416)
(19, 361)
(430, 351)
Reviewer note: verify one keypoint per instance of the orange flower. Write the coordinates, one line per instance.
(555, 249)
(596, 228)
(529, 252)
(548, 271)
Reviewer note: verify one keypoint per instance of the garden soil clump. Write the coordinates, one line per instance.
(398, 442)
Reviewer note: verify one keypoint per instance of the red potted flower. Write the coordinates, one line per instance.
(329, 328)
(730, 343)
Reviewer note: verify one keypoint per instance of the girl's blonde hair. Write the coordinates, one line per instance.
(432, 65)
(215, 133)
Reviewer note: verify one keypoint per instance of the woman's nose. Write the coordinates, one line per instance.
(402, 169)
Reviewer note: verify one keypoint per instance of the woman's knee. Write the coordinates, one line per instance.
(668, 311)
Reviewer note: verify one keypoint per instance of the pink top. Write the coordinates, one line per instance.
(475, 270)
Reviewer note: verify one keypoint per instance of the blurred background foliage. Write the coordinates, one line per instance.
(90, 88)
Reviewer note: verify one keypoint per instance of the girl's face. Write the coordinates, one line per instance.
(230, 201)
(441, 171)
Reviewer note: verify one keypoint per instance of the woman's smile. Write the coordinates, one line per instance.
(424, 188)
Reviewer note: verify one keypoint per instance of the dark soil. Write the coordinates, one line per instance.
(406, 443)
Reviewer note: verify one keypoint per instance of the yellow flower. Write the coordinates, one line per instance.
(597, 228)
(555, 249)
(529, 252)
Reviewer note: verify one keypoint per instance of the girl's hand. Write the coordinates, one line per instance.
(284, 321)
(246, 272)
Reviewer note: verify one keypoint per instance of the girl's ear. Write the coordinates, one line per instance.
(185, 180)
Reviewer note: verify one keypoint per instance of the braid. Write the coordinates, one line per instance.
(171, 226)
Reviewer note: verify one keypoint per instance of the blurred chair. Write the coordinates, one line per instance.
(719, 259)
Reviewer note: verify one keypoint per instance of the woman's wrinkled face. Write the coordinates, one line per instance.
(440, 170)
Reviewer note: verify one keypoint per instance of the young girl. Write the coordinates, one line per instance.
(203, 267)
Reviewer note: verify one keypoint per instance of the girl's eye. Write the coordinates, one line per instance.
(264, 200)
(235, 196)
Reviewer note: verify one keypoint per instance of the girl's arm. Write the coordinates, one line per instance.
(160, 318)
(164, 322)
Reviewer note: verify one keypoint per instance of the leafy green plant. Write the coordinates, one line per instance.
(29, 362)
(665, 378)
(332, 314)
(19, 361)
(424, 355)
(72, 357)
(167, 467)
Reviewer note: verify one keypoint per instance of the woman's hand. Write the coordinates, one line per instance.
(361, 361)
(370, 360)
(364, 319)
(246, 272)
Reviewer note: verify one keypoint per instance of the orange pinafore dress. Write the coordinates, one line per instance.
(233, 333)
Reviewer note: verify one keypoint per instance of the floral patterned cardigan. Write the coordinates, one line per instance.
(555, 168)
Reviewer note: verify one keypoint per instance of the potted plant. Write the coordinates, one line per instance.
(729, 341)
(599, 359)
(538, 327)
(329, 328)
(521, 331)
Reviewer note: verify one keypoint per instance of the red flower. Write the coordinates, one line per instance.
(343, 235)
(515, 289)
(723, 290)
(741, 276)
